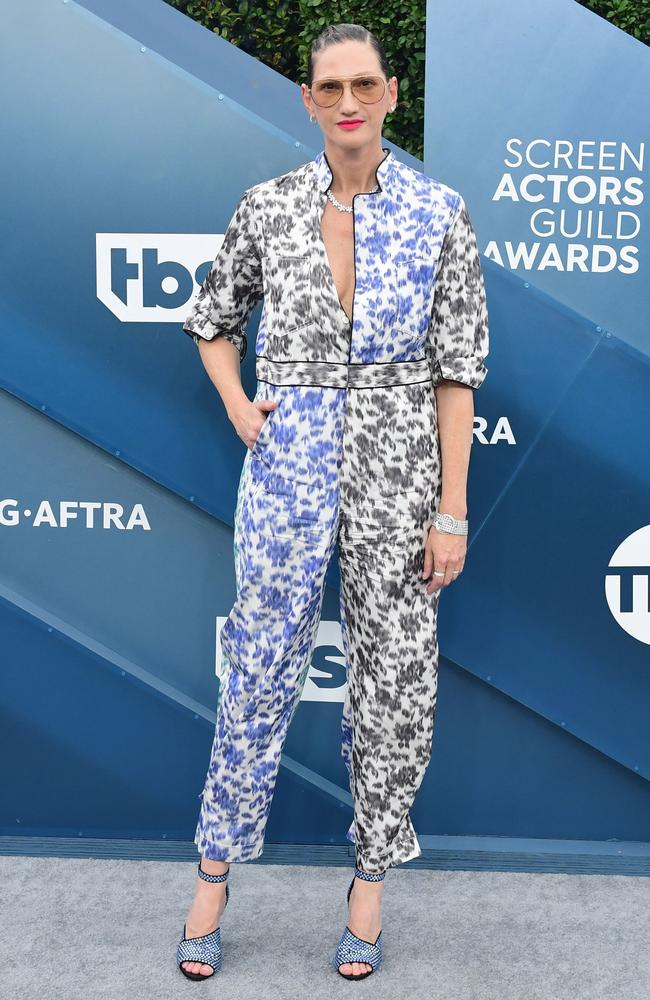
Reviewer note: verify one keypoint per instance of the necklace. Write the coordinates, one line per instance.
(346, 208)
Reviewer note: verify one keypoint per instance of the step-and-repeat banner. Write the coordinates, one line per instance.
(132, 133)
(538, 113)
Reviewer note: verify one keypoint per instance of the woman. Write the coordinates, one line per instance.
(372, 338)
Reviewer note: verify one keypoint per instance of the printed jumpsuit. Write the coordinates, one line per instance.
(349, 457)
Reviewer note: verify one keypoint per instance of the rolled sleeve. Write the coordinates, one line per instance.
(458, 332)
(233, 285)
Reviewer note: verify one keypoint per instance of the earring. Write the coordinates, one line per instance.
(312, 118)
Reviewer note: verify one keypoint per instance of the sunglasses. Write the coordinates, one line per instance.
(368, 89)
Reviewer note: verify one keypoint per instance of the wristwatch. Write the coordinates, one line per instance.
(450, 524)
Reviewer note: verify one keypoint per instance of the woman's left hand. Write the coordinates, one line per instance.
(443, 553)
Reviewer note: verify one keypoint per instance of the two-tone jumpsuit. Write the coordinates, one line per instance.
(349, 457)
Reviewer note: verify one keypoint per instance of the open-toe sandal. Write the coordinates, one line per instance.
(207, 948)
(354, 949)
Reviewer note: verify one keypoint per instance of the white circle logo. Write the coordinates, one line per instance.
(626, 585)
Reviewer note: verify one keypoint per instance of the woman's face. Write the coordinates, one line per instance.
(342, 61)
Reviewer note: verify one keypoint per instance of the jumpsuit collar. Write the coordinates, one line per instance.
(324, 174)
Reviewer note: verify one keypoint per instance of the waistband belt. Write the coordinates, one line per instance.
(343, 376)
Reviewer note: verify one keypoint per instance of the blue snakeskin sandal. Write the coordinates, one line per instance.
(354, 949)
(207, 948)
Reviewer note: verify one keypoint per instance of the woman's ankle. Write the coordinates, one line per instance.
(212, 867)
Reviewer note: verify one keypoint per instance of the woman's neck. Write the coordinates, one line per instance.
(354, 171)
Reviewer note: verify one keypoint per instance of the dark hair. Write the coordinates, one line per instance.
(343, 33)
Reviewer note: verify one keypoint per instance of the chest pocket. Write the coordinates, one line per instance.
(415, 280)
(287, 292)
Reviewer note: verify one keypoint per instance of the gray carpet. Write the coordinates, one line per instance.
(77, 927)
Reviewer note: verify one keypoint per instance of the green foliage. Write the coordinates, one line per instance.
(279, 33)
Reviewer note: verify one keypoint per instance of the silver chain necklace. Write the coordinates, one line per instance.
(346, 208)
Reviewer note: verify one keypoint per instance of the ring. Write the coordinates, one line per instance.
(437, 574)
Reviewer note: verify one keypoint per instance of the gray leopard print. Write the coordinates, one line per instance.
(349, 458)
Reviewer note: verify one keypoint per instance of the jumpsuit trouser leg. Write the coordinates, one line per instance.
(283, 544)
(389, 631)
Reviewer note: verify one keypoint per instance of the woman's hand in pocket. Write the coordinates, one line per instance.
(249, 419)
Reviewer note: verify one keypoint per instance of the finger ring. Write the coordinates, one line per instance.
(437, 573)
(456, 572)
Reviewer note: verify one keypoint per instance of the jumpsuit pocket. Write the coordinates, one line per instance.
(392, 555)
(287, 293)
(262, 440)
(296, 511)
(259, 473)
(384, 537)
(415, 278)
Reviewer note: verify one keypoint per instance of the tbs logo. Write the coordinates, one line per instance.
(140, 279)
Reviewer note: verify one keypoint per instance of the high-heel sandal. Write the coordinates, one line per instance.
(206, 948)
(354, 949)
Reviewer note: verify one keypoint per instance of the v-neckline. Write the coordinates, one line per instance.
(323, 249)
(328, 267)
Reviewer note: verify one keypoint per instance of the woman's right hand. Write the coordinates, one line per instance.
(249, 419)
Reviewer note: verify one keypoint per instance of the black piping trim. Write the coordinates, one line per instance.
(348, 364)
(354, 232)
(386, 149)
(265, 357)
(319, 385)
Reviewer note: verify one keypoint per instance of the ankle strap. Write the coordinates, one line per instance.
(369, 876)
(212, 878)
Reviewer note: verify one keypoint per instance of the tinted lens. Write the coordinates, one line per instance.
(327, 92)
(368, 89)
